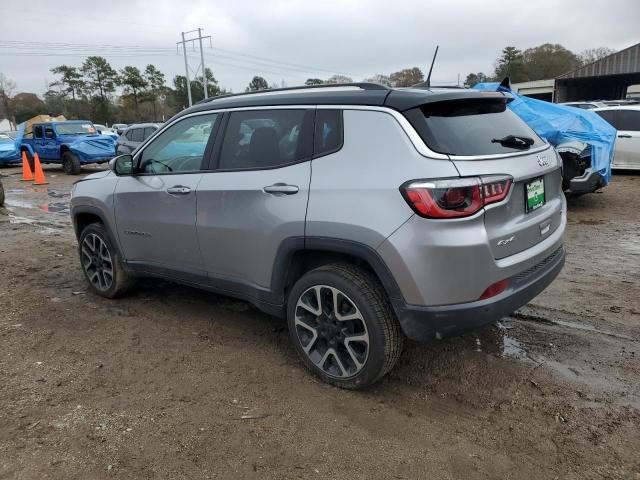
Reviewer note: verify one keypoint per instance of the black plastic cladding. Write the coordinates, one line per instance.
(364, 94)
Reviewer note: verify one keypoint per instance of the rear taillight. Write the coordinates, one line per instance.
(455, 197)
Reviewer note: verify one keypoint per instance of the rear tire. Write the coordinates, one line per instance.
(342, 326)
(101, 263)
(71, 163)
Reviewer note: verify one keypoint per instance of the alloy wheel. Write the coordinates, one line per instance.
(97, 262)
(331, 331)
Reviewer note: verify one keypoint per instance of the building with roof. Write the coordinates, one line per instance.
(606, 79)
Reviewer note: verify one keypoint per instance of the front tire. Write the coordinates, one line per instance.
(101, 263)
(71, 163)
(342, 326)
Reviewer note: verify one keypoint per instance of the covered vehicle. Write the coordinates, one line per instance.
(584, 141)
(9, 150)
(70, 143)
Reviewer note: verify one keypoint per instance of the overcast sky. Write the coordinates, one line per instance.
(293, 40)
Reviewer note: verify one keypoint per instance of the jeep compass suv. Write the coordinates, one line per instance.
(360, 213)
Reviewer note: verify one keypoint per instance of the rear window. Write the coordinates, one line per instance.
(470, 127)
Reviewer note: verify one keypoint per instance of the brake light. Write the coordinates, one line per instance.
(455, 197)
(494, 289)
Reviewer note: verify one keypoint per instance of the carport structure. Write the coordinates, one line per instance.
(604, 79)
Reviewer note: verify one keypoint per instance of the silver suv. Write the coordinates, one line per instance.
(362, 214)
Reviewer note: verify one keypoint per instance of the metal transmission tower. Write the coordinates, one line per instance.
(201, 67)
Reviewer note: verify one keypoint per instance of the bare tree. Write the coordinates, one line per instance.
(7, 86)
(591, 55)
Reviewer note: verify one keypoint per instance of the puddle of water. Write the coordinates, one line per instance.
(12, 202)
(522, 314)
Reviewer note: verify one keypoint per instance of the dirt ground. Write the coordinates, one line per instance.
(175, 383)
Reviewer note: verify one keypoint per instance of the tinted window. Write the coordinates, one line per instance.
(180, 148)
(135, 135)
(48, 132)
(469, 127)
(328, 135)
(148, 131)
(266, 138)
(609, 116)
(38, 131)
(628, 120)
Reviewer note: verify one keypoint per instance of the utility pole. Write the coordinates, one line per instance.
(201, 67)
(204, 73)
(186, 68)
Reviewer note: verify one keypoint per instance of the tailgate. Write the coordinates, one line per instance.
(515, 224)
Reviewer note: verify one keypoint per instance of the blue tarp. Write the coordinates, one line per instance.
(559, 124)
(10, 149)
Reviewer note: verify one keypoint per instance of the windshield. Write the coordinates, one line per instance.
(472, 127)
(75, 129)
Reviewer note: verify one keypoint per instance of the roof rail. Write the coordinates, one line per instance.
(426, 86)
(362, 85)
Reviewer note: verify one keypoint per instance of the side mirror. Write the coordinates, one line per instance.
(122, 165)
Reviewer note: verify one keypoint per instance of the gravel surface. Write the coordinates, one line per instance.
(175, 383)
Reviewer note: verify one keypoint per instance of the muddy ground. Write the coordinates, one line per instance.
(156, 385)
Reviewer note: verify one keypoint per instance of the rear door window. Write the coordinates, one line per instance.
(148, 131)
(266, 139)
(136, 135)
(38, 131)
(470, 127)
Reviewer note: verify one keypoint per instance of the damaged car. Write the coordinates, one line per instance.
(71, 143)
(584, 141)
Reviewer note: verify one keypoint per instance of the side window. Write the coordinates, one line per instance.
(180, 148)
(128, 134)
(148, 132)
(628, 120)
(609, 116)
(136, 135)
(329, 134)
(48, 132)
(266, 138)
(38, 131)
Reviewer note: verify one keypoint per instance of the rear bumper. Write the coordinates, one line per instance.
(588, 182)
(423, 323)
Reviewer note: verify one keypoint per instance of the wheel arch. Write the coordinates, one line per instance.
(86, 215)
(298, 255)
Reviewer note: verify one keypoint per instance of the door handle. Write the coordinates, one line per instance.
(178, 190)
(624, 136)
(281, 189)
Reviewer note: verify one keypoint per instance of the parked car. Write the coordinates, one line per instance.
(9, 151)
(428, 213)
(626, 119)
(70, 143)
(585, 105)
(134, 136)
(104, 130)
(119, 128)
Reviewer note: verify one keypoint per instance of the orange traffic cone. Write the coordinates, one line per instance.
(27, 175)
(39, 180)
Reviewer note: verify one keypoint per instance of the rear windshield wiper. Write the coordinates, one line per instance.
(514, 141)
